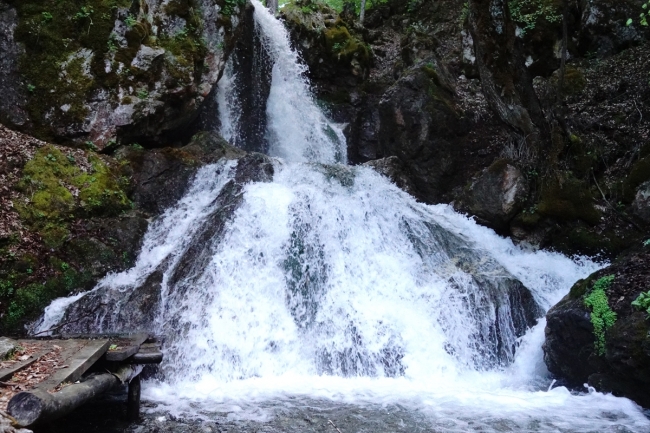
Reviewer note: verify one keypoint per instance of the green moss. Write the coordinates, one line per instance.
(574, 81)
(642, 302)
(48, 65)
(343, 46)
(602, 316)
(568, 200)
(58, 190)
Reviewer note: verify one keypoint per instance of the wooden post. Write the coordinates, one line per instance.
(133, 401)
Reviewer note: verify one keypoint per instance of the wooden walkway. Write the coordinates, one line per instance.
(72, 370)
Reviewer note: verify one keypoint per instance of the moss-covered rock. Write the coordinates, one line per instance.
(568, 199)
(619, 360)
(116, 70)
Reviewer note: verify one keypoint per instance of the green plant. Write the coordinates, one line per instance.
(529, 13)
(112, 43)
(230, 6)
(643, 17)
(31, 88)
(646, 243)
(130, 21)
(136, 146)
(642, 302)
(143, 94)
(46, 17)
(85, 13)
(602, 316)
(91, 146)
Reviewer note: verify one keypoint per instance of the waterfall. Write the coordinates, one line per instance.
(316, 280)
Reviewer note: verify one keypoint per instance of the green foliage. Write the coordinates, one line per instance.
(230, 5)
(130, 21)
(642, 302)
(643, 17)
(602, 316)
(528, 14)
(143, 94)
(646, 243)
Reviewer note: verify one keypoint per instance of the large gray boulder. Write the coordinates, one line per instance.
(496, 195)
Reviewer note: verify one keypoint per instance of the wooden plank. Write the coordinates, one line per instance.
(128, 350)
(78, 364)
(7, 373)
(146, 358)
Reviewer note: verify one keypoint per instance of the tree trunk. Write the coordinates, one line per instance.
(504, 78)
(31, 407)
(362, 13)
(272, 5)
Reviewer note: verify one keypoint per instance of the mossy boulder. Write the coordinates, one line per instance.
(622, 364)
(75, 217)
(574, 83)
(568, 199)
(112, 70)
(330, 46)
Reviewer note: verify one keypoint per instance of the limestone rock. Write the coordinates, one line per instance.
(603, 27)
(12, 102)
(116, 74)
(7, 346)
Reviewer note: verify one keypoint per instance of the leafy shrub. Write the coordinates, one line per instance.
(642, 302)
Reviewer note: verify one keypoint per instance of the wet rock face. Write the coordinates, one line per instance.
(13, 99)
(420, 124)
(395, 170)
(119, 71)
(108, 309)
(496, 195)
(641, 204)
(570, 350)
(162, 175)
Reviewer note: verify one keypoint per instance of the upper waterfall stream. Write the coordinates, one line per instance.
(325, 286)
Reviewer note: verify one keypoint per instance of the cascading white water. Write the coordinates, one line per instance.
(331, 283)
(298, 130)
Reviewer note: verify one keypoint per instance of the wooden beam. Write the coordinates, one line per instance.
(78, 364)
(128, 350)
(146, 358)
(37, 406)
(7, 373)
